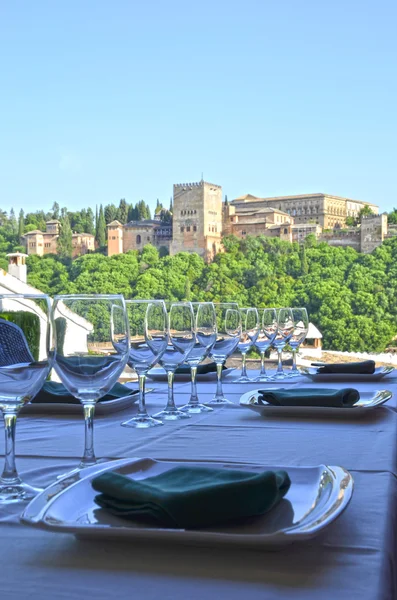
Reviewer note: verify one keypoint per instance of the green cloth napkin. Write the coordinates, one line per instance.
(201, 369)
(310, 397)
(54, 392)
(192, 497)
(365, 367)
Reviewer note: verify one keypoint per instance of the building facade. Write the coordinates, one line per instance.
(322, 209)
(201, 219)
(45, 242)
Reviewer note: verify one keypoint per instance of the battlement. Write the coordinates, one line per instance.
(196, 184)
(372, 217)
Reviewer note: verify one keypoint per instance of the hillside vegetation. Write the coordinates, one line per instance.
(351, 297)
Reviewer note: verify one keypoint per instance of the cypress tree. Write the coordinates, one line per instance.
(122, 212)
(171, 206)
(101, 237)
(21, 223)
(13, 221)
(89, 222)
(64, 242)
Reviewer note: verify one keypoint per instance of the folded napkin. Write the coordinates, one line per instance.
(192, 497)
(310, 397)
(358, 368)
(54, 392)
(201, 369)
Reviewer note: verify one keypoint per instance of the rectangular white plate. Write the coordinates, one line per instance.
(379, 373)
(317, 496)
(63, 408)
(159, 374)
(368, 401)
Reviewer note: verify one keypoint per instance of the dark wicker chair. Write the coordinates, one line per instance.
(14, 348)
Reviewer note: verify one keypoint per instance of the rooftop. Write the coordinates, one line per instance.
(251, 198)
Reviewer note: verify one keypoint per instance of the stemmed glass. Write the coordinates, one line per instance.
(265, 339)
(249, 334)
(92, 337)
(180, 338)
(285, 329)
(26, 356)
(301, 321)
(205, 339)
(141, 356)
(228, 322)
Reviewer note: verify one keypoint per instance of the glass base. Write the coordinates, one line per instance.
(277, 376)
(195, 409)
(17, 492)
(242, 379)
(294, 374)
(263, 378)
(216, 401)
(142, 422)
(171, 414)
(82, 465)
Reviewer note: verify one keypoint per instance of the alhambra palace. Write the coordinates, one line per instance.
(201, 218)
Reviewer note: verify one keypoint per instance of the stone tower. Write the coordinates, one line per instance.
(17, 265)
(197, 219)
(115, 238)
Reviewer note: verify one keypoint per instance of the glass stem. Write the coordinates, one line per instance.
(142, 412)
(89, 454)
(193, 397)
(294, 367)
(171, 403)
(243, 367)
(263, 370)
(279, 360)
(10, 474)
(219, 389)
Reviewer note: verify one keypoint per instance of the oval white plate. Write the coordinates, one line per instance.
(317, 496)
(368, 401)
(379, 373)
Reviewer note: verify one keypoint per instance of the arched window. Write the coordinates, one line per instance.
(285, 230)
(138, 239)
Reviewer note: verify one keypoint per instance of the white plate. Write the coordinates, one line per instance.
(368, 401)
(60, 408)
(159, 374)
(315, 499)
(379, 373)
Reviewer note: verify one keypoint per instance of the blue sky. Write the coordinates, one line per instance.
(102, 100)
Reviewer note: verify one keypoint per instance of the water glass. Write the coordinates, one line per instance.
(26, 356)
(180, 340)
(206, 331)
(228, 321)
(249, 334)
(285, 329)
(92, 337)
(264, 341)
(301, 321)
(141, 356)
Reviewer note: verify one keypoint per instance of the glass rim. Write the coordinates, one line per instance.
(136, 300)
(89, 297)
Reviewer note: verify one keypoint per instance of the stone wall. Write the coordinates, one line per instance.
(373, 231)
(350, 237)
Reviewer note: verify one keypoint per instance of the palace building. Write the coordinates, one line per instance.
(201, 219)
(45, 242)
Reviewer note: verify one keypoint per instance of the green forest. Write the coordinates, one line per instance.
(351, 297)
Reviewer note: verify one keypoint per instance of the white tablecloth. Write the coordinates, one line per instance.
(354, 558)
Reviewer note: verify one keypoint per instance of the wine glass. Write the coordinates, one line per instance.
(301, 321)
(181, 336)
(228, 321)
(249, 334)
(92, 337)
(26, 356)
(205, 339)
(141, 356)
(265, 339)
(285, 329)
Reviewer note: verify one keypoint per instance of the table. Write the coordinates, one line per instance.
(354, 558)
